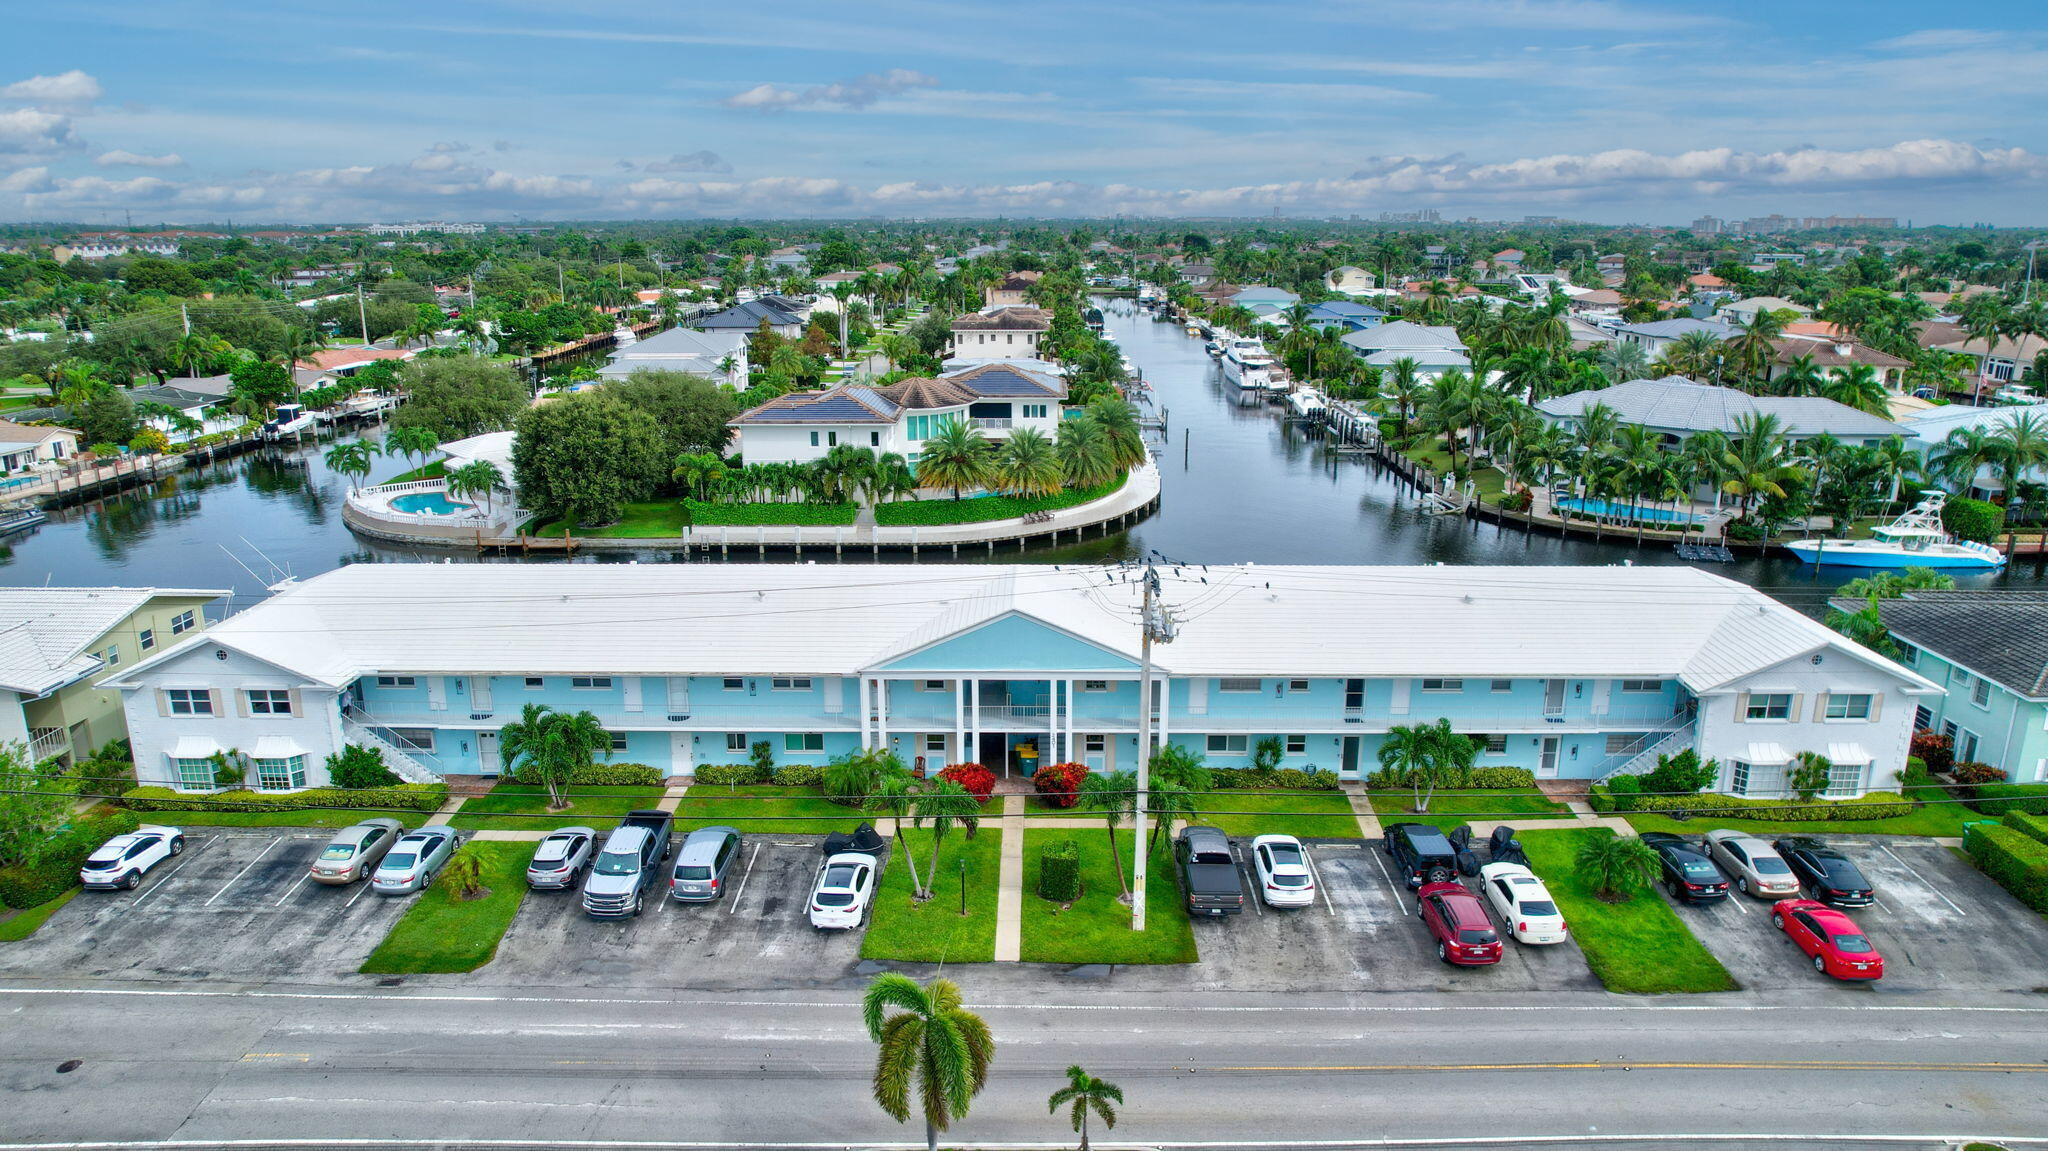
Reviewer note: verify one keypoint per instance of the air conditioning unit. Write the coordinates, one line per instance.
(480, 714)
(684, 718)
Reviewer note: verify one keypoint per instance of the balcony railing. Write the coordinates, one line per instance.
(45, 742)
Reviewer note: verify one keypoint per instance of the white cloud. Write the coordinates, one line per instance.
(73, 88)
(859, 92)
(34, 132)
(121, 157)
(703, 161)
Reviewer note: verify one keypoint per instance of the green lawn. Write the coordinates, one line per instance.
(524, 807)
(284, 817)
(1938, 820)
(765, 807)
(771, 513)
(943, 510)
(1448, 811)
(648, 519)
(935, 931)
(1097, 928)
(1316, 813)
(22, 924)
(1429, 452)
(429, 471)
(441, 933)
(1637, 947)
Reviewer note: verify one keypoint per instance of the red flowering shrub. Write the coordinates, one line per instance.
(979, 781)
(1060, 783)
(1969, 772)
(1937, 751)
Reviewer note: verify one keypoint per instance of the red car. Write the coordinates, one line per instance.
(1829, 938)
(1464, 934)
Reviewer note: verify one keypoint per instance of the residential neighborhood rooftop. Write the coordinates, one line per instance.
(1683, 404)
(1999, 634)
(44, 630)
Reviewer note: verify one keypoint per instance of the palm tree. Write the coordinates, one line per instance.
(410, 442)
(943, 802)
(931, 1043)
(1865, 626)
(957, 457)
(1115, 796)
(1616, 864)
(1858, 387)
(1085, 1093)
(895, 792)
(1623, 362)
(1166, 801)
(1753, 347)
(1755, 460)
(893, 478)
(352, 459)
(1964, 453)
(2022, 447)
(196, 350)
(1695, 354)
(1403, 386)
(1119, 424)
(477, 478)
(1983, 318)
(1084, 452)
(1410, 751)
(698, 472)
(1801, 377)
(554, 745)
(897, 347)
(1705, 456)
(1028, 465)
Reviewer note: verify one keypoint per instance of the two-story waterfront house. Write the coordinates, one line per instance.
(58, 643)
(1572, 672)
(1006, 333)
(995, 397)
(1990, 648)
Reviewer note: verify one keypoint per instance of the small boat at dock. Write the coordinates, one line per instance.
(1915, 539)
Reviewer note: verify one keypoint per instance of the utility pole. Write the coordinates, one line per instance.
(363, 315)
(1156, 626)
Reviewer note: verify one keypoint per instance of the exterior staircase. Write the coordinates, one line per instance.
(398, 760)
(1677, 736)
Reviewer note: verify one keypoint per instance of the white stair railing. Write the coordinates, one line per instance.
(396, 758)
(1678, 736)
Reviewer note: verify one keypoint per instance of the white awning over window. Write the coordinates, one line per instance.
(276, 747)
(194, 747)
(1847, 754)
(1767, 753)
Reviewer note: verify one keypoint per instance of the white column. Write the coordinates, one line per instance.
(973, 749)
(882, 713)
(1165, 694)
(1051, 746)
(959, 721)
(1073, 705)
(867, 741)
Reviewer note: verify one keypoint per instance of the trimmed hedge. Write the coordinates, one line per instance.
(410, 796)
(1059, 872)
(799, 775)
(980, 509)
(32, 885)
(1492, 778)
(600, 775)
(1877, 805)
(730, 774)
(2032, 826)
(2013, 861)
(2001, 798)
(771, 514)
(1272, 779)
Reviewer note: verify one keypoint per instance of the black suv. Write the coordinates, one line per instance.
(1422, 853)
(1825, 872)
(1688, 873)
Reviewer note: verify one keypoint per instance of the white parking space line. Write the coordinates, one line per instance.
(1735, 900)
(166, 876)
(1387, 875)
(245, 870)
(362, 885)
(294, 887)
(1316, 876)
(739, 892)
(1923, 879)
(1253, 888)
(1879, 904)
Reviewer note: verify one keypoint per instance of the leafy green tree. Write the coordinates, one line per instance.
(105, 416)
(552, 745)
(929, 1043)
(260, 383)
(1809, 775)
(583, 458)
(355, 767)
(850, 778)
(34, 805)
(1616, 865)
(957, 457)
(458, 397)
(1084, 1093)
(692, 412)
(465, 871)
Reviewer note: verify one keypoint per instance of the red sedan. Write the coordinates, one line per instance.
(1829, 938)
(1464, 934)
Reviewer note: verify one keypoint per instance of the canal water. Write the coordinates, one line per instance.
(1239, 484)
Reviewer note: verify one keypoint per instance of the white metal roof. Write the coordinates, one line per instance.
(44, 631)
(712, 619)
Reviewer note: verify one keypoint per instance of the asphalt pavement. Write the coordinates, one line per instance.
(213, 1063)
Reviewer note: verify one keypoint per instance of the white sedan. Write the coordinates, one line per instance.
(845, 885)
(1284, 876)
(1523, 903)
(122, 860)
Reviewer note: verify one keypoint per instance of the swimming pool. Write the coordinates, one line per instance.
(429, 504)
(1645, 513)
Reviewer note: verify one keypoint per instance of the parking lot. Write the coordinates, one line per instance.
(1938, 922)
(235, 905)
(1361, 934)
(758, 936)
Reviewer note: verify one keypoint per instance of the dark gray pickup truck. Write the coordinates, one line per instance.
(1208, 872)
(629, 864)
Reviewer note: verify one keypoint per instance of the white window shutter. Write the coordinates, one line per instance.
(1602, 690)
(1820, 707)
(163, 702)
(835, 701)
(1876, 705)
(1742, 707)
(219, 706)
(679, 695)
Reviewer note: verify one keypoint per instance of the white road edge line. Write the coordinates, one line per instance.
(245, 870)
(740, 892)
(1923, 879)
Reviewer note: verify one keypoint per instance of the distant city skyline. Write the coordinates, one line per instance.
(1606, 111)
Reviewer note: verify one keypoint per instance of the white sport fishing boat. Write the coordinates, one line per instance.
(1914, 540)
(1248, 364)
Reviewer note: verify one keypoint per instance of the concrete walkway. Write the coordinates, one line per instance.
(1010, 884)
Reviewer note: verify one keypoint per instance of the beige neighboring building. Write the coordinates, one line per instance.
(24, 446)
(57, 643)
(1349, 279)
(1010, 333)
(1013, 291)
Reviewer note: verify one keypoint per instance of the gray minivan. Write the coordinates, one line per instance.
(703, 863)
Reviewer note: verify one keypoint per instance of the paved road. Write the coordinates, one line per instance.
(213, 1062)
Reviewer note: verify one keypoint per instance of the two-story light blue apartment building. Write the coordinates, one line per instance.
(1572, 672)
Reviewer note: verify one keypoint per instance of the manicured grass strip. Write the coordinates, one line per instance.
(441, 933)
(283, 817)
(762, 807)
(1326, 814)
(1637, 947)
(524, 807)
(1942, 819)
(432, 471)
(941, 510)
(935, 931)
(1448, 811)
(1097, 928)
(648, 519)
(23, 924)
(771, 514)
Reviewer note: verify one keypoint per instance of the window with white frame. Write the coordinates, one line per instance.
(935, 685)
(1966, 746)
(1239, 685)
(396, 681)
(269, 701)
(288, 774)
(801, 741)
(146, 638)
(1922, 719)
(536, 682)
(1738, 779)
(591, 682)
(1443, 685)
(1501, 686)
(1949, 729)
(935, 743)
(1094, 685)
(1980, 692)
(1642, 686)
(1297, 745)
(736, 741)
(189, 700)
(1908, 654)
(1844, 780)
(1227, 744)
(1094, 744)
(194, 774)
(1034, 411)
(790, 683)
(413, 738)
(1297, 685)
(1768, 705)
(618, 739)
(732, 683)
(112, 655)
(1848, 706)
(183, 622)
(1496, 743)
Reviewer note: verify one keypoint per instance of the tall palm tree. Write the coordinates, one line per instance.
(1858, 387)
(1752, 349)
(1801, 377)
(931, 1043)
(1697, 354)
(1085, 1093)
(1114, 795)
(1084, 452)
(1622, 362)
(352, 459)
(895, 792)
(1755, 460)
(958, 456)
(1027, 464)
(698, 472)
(478, 478)
(1595, 428)
(1705, 455)
(1964, 453)
(1409, 750)
(553, 744)
(1982, 317)
(1119, 423)
(893, 478)
(1403, 385)
(410, 442)
(2022, 448)
(943, 802)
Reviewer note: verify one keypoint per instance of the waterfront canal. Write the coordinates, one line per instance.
(1239, 485)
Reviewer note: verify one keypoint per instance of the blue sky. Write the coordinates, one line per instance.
(1607, 110)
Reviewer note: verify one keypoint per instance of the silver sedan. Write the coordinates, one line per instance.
(415, 860)
(1759, 871)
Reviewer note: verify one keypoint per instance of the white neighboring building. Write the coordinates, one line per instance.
(717, 355)
(803, 426)
(1741, 312)
(1435, 349)
(1926, 431)
(1653, 337)
(23, 446)
(1007, 333)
